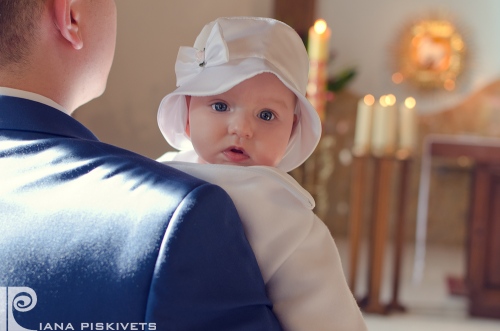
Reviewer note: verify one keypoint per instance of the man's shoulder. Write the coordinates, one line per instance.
(94, 164)
(133, 166)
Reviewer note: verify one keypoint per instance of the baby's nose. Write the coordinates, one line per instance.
(241, 126)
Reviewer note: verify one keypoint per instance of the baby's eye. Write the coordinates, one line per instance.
(219, 106)
(266, 115)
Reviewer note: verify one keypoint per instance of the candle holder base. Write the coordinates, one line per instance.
(395, 306)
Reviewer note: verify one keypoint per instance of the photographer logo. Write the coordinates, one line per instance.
(22, 299)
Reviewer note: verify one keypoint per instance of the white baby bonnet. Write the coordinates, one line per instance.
(228, 51)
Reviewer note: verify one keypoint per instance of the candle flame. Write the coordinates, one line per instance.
(369, 99)
(320, 26)
(410, 103)
(383, 100)
(390, 99)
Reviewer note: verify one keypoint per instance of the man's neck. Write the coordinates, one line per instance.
(38, 84)
(7, 91)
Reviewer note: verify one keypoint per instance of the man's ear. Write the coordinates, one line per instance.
(188, 129)
(67, 20)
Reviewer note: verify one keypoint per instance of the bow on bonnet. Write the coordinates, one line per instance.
(191, 61)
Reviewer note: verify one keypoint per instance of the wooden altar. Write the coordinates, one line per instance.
(483, 239)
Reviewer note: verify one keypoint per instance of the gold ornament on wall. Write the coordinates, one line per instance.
(430, 55)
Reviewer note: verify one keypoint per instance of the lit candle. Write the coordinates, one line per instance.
(318, 50)
(319, 39)
(407, 125)
(362, 133)
(384, 126)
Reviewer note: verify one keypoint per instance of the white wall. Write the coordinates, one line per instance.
(149, 35)
(364, 31)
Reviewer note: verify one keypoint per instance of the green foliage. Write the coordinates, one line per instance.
(338, 82)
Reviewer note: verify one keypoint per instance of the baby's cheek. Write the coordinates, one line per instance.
(271, 159)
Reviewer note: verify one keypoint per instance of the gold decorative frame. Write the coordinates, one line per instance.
(430, 55)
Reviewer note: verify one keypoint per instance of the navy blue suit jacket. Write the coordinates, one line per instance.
(103, 235)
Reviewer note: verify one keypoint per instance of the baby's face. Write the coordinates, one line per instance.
(250, 124)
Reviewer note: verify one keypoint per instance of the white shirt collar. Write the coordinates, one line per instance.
(7, 91)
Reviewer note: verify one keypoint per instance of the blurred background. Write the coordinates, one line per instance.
(451, 199)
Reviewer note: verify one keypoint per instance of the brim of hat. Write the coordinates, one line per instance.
(172, 113)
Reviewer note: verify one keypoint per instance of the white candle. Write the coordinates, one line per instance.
(384, 126)
(362, 133)
(407, 125)
(319, 40)
(318, 51)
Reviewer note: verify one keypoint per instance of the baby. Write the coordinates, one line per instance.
(241, 120)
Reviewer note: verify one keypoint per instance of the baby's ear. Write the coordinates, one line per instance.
(294, 125)
(188, 129)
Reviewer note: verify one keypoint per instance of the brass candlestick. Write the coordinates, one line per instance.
(386, 169)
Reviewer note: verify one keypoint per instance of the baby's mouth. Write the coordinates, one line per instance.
(235, 150)
(236, 154)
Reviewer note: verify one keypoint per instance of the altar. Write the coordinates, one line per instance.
(482, 274)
